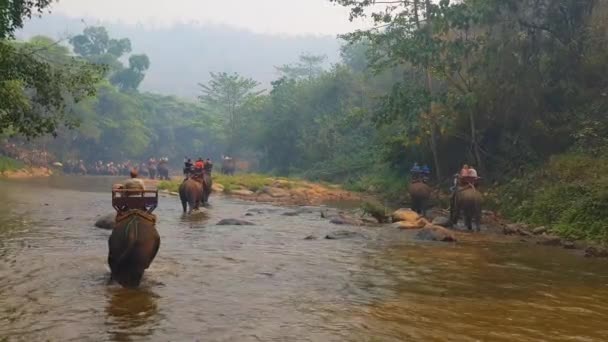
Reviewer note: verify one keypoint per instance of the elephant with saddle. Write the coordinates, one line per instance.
(420, 194)
(466, 199)
(134, 241)
(195, 191)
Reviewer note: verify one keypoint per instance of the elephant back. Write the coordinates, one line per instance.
(419, 189)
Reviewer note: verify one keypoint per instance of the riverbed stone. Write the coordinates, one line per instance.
(420, 223)
(549, 240)
(241, 192)
(405, 215)
(441, 221)
(540, 230)
(106, 221)
(217, 187)
(291, 213)
(235, 222)
(345, 220)
(435, 233)
(275, 192)
(343, 234)
(568, 244)
(596, 252)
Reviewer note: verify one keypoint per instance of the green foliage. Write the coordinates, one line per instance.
(8, 164)
(569, 194)
(14, 12)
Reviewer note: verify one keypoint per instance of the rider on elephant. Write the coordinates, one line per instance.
(187, 167)
(416, 172)
(208, 166)
(199, 165)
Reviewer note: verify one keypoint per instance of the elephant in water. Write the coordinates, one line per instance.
(191, 194)
(163, 171)
(228, 166)
(207, 188)
(468, 200)
(420, 193)
(132, 247)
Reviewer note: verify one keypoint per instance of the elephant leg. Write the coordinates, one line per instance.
(468, 220)
(185, 206)
(477, 218)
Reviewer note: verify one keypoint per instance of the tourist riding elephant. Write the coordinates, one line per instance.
(420, 193)
(163, 171)
(468, 200)
(191, 194)
(132, 247)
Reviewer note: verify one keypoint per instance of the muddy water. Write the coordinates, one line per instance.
(266, 283)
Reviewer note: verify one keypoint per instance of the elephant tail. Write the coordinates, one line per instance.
(133, 225)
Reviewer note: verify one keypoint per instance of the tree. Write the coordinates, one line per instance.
(95, 45)
(13, 13)
(228, 95)
(309, 66)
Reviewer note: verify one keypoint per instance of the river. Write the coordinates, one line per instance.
(267, 283)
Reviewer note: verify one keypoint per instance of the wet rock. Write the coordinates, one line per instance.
(291, 213)
(515, 229)
(568, 244)
(343, 234)
(539, 230)
(173, 193)
(435, 233)
(343, 220)
(234, 222)
(441, 221)
(596, 252)
(241, 192)
(106, 221)
(275, 192)
(549, 240)
(311, 237)
(405, 215)
(420, 223)
(249, 214)
(217, 187)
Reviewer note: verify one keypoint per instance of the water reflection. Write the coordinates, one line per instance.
(131, 313)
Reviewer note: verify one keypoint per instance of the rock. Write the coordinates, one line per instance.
(173, 193)
(539, 230)
(311, 237)
(435, 233)
(405, 215)
(341, 219)
(441, 221)
(596, 252)
(421, 223)
(217, 187)
(549, 240)
(274, 192)
(291, 213)
(234, 222)
(568, 244)
(106, 221)
(249, 214)
(343, 234)
(241, 192)
(515, 229)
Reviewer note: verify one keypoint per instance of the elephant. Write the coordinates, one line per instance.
(191, 194)
(133, 244)
(163, 171)
(466, 199)
(228, 166)
(207, 187)
(420, 193)
(152, 172)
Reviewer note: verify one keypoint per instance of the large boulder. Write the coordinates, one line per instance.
(405, 215)
(106, 221)
(275, 192)
(235, 222)
(441, 221)
(435, 233)
(418, 224)
(241, 192)
(217, 187)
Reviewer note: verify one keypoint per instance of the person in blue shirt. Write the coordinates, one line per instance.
(426, 170)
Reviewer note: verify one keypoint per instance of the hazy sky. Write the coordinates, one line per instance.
(263, 16)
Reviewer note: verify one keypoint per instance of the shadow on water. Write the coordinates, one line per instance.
(130, 314)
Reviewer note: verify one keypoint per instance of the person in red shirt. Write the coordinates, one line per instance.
(199, 165)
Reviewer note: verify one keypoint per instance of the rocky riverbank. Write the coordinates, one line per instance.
(33, 172)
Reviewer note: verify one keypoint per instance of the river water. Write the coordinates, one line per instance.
(267, 283)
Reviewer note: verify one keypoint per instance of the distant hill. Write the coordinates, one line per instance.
(183, 55)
